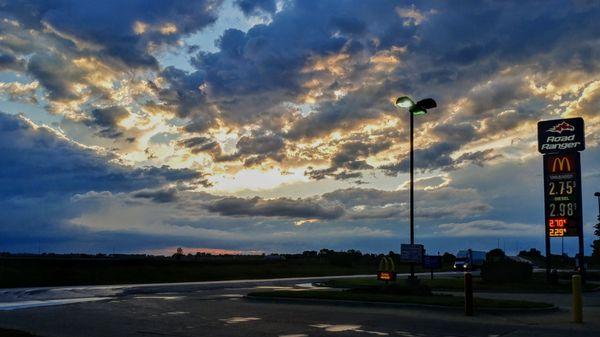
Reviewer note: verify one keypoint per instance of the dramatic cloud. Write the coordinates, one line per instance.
(42, 170)
(276, 207)
(248, 124)
(122, 31)
(37, 160)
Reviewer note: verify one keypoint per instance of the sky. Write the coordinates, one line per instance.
(256, 126)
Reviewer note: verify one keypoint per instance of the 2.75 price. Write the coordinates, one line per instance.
(561, 187)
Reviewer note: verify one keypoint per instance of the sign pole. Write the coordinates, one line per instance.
(581, 244)
(548, 249)
(548, 258)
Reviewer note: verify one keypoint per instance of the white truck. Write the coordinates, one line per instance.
(469, 259)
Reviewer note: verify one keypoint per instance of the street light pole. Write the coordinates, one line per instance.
(419, 108)
(412, 190)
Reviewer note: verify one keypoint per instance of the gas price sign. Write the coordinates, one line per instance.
(562, 194)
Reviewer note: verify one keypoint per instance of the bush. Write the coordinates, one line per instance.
(506, 270)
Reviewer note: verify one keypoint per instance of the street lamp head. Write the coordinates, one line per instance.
(416, 110)
(427, 103)
(404, 102)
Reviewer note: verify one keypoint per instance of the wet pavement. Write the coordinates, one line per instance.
(219, 309)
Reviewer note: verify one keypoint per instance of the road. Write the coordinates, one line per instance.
(219, 309)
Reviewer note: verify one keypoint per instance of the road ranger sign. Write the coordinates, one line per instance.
(562, 194)
(561, 135)
(560, 141)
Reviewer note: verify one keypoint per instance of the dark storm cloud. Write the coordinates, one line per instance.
(41, 172)
(281, 207)
(255, 7)
(110, 24)
(55, 74)
(352, 197)
(345, 114)
(256, 148)
(202, 144)
(10, 62)
(490, 59)
(349, 158)
(251, 150)
(479, 158)
(107, 119)
(258, 70)
(434, 157)
(158, 196)
(254, 72)
(365, 203)
(437, 157)
(37, 161)
(184, 97)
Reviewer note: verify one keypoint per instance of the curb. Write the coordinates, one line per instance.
(292, 300)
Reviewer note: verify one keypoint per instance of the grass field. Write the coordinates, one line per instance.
(442, 300)
(56, 272)
(537, 284)
(14, 333)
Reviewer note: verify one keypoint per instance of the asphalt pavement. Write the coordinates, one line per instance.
(220, 309)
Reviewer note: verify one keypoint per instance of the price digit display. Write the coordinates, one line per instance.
(562, 182)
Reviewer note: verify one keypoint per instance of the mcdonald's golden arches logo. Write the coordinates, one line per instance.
(561, 164)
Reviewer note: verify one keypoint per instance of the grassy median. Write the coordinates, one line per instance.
(439, 300)
(537, 284)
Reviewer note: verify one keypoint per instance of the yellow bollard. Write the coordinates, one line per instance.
(577, 303)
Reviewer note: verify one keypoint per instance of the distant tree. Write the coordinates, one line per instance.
(596, 243)
(178, 254)
(309, 253)
(531, 253)
(495, 254)
(355, 253)
(448, 258)
(326, 252)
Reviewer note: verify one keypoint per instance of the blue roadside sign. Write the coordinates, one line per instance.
(432, 262)
(411, 253)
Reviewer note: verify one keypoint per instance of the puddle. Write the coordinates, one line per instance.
(337, 327)
(47, 303)
(409, 334)
(235, 320)
(274, 287)
(347, 327)
(166, 298)
(175, 313)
